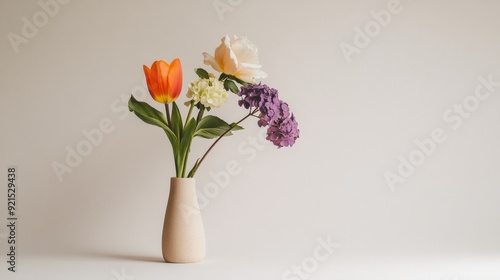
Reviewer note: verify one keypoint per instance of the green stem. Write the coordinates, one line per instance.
(178, 171)
(186, 155)
(167, 112)
(198, 119)
(200, 115)
(189, 113)
(220, 137)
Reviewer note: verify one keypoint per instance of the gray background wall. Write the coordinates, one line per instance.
(367, 81)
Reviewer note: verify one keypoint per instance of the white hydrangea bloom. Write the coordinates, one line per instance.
(209, 92)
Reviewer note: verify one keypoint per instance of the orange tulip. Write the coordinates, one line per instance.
(164, 81)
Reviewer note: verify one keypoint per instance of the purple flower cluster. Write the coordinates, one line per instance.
(282, 128)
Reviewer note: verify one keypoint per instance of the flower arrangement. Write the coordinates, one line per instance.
(237, 62)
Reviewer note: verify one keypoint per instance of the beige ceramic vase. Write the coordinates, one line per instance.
(183, 239)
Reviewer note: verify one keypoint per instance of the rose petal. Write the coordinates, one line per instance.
(210, 60)
(245, 51)
(250, 75)
(230, 62)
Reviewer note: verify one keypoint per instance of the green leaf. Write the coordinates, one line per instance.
(241, 82)
(223, 76)
(212, 127)
(154, 117)
(199, 106)
(176, 120)
(149, 115)
(188, 135)
(236, 127)
(202, 73)
(230, 85)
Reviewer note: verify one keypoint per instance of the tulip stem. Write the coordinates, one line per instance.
(167, 111)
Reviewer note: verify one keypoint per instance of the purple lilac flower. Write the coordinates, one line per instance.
(284, 133)
(283, 128)
(273, 111)
(266, 100)
(256, 95)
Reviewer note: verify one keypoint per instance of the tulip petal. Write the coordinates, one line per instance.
(164, 80)
(151, 81)
(162, 70)
(153, 85)
(174, 80)
(147, 73)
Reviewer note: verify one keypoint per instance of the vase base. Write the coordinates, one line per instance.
(174, 260)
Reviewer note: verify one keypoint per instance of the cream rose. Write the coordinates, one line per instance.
(209, 92)
(237, 57)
